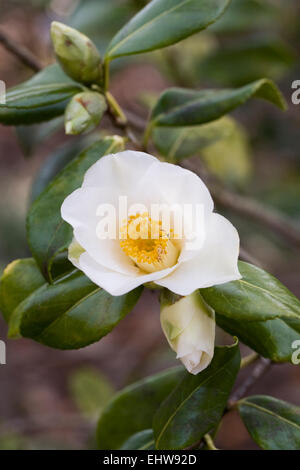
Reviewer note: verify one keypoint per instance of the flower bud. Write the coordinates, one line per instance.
(84, 112)
(189, 326)
(76, 53)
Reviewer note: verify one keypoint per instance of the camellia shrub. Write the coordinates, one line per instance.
(130, 212)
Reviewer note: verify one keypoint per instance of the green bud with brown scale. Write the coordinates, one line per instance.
(76, 53)
(84, 112)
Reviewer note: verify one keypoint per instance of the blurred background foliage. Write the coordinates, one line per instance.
(51, 399)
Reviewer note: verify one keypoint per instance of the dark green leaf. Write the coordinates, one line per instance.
(100, 20)
(41, 98)
(20, 279)
(47, 233)
(70, 313)
(273, 424)
(196, 405)
(183, 107)
(132, 409)
(54, 163)
(271, 338)
(164, 22)
(257, 296)
(143, 440)
(30, 137)
(259, 310)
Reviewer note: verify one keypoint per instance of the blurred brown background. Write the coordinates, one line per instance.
(46, 396)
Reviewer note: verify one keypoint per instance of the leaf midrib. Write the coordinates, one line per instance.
(35, 90)
(189, 396)
(147, 444)
(272, 413)
(75, 305)
(174, 110)
(295, 315)
(166, 12)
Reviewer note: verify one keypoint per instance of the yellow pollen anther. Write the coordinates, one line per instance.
(145, 242)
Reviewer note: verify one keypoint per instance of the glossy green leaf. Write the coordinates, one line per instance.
(47, 233)
(143, 440)
(100, 20)
(257, 296)
(259, 310)
(41, 98)
(183, 107)
(70, 313)
(273, 424)
(54, 163)
(197, 403)
(272, 338)
(30, 137)
(177, 143)
(20, 279)
(164, 22)
(247, 60)
(132, 409)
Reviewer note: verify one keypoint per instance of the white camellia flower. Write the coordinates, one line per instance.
(189, 326)
(195, 249)
(119, 265)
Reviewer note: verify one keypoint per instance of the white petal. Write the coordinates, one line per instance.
(202, 360)
(115, 283)
(189, 325)
(175, 185)
(216, 263)
(79, 209)
(122, 170)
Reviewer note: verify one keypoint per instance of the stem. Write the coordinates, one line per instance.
(258, 371)
(247, 360)
(119, 119)
(209, 442)
(147, 135)
(106, 74)
(23, 54)
(116, 109)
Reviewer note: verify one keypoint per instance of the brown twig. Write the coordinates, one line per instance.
(121, 122)
(135, 121)
(257, 372)
(247, 207)
(23, 54)
(250, 359)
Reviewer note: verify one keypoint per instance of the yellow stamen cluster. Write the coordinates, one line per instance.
(147, 244)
